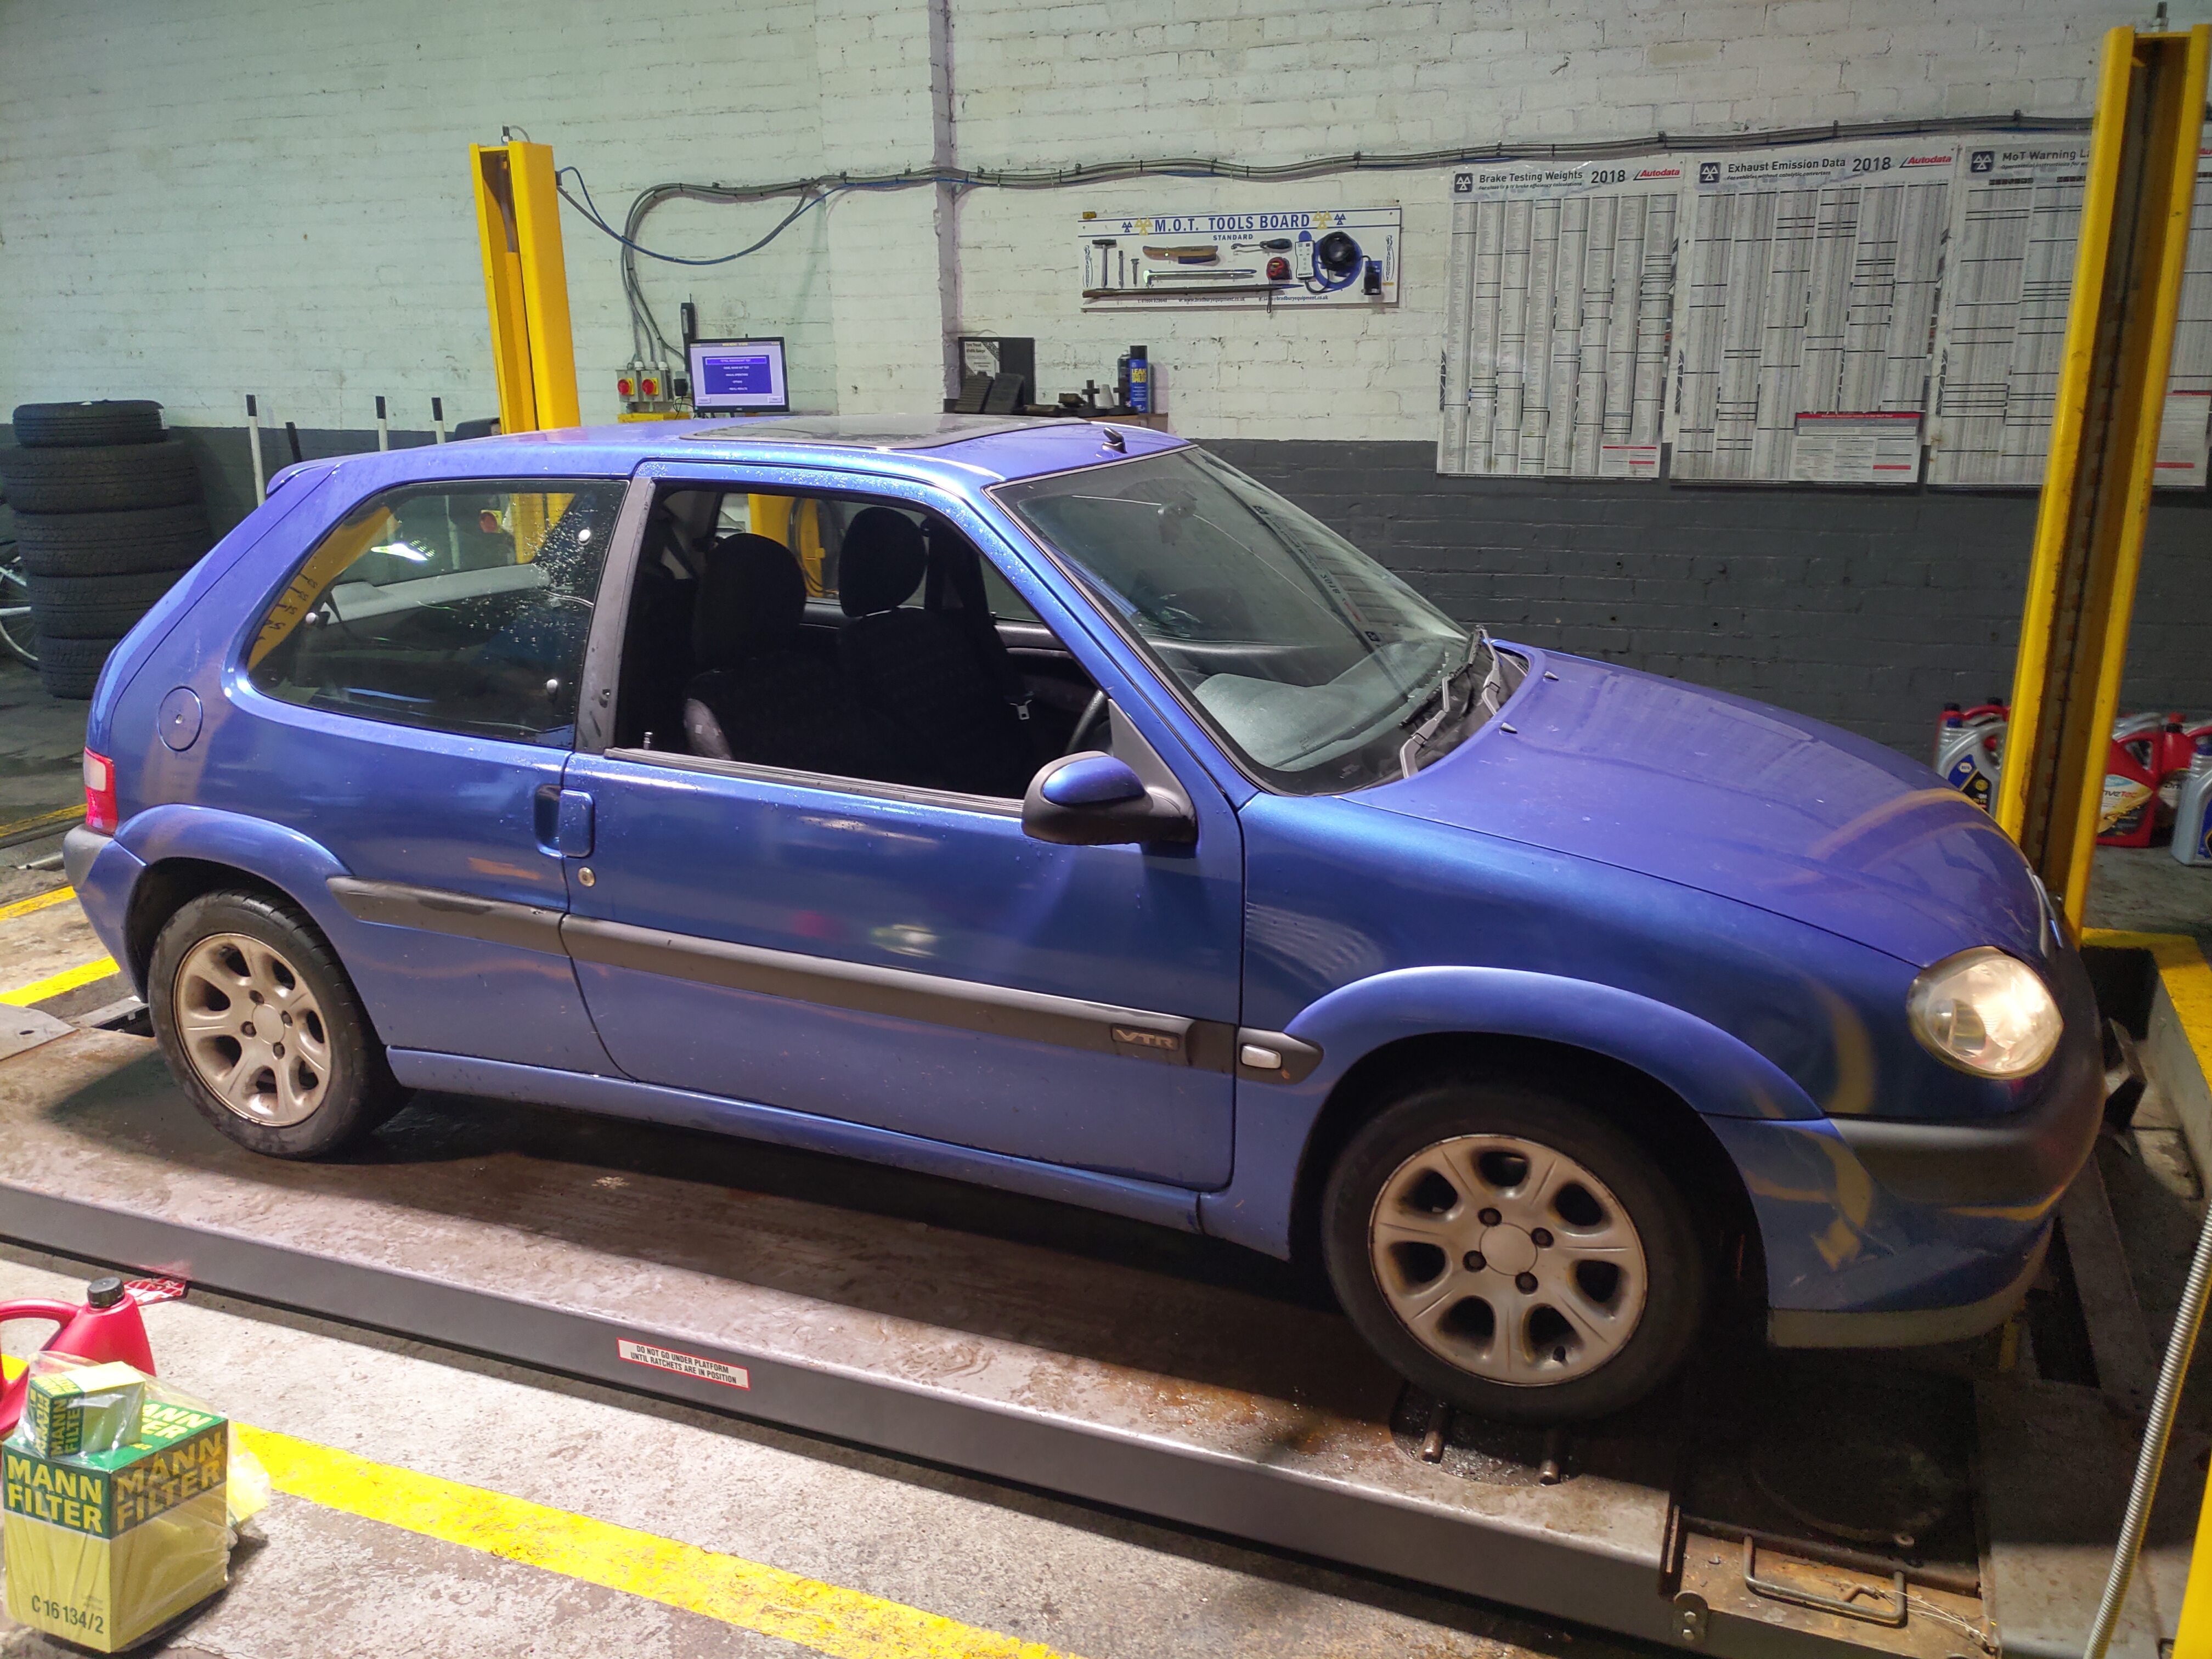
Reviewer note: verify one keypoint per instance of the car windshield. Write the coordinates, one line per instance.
(1315, 663)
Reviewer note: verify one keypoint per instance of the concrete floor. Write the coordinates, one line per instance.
(2141, 889)
(1076, 1579)
(41, 771)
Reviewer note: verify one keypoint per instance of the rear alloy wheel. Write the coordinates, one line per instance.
(252, 1030)
(263, 1030)
(1514, 1253)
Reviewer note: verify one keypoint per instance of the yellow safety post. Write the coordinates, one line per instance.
(2104, 438)
(525, 285)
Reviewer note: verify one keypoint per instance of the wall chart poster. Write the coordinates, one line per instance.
(1808, 288)
(2014, 232)
(1288, 256)
(1559, 300)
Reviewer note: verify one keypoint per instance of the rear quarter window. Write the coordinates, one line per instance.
(458, 608)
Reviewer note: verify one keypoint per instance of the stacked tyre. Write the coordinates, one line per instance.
(108, 515)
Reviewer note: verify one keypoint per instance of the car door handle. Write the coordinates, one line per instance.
(575, 826)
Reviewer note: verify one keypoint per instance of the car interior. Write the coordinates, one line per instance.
(865, 640)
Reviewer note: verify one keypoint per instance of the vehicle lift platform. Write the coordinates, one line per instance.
(1773, 1504)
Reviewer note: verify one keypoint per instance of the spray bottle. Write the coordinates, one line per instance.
(2193, 818)
(108, 1328)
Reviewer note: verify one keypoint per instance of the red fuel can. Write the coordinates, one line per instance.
(106, 1327)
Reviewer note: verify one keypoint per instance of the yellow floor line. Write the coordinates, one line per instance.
(43, 901)
(841, 1623)
(54, 984)
(60, 814)
(2187, 977)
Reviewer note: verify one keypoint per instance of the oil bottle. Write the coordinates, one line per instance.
(2193, 816)
(1971, 757)
(2128, 816)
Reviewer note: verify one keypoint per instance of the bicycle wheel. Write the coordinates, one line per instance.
(18, 632)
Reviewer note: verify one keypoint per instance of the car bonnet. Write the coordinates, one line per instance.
(1739, 799)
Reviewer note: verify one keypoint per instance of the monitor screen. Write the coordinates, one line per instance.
(731, 377)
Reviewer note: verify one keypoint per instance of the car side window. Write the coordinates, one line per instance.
(460, 608)
(846, 638)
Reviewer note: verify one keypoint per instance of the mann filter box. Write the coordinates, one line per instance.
(89, 1408)
(104, 1548)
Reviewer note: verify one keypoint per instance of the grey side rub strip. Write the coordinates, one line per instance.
(526, 927)
(991, 1010)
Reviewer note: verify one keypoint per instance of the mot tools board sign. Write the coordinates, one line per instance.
(1295, 256)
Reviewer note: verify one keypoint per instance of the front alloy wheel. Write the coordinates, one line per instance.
(1508, 1259)
(1513, 1251)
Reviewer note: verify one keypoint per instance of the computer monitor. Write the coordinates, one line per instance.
(738, 377)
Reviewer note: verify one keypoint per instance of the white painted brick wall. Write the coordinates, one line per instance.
(272, 196)
(250, 195)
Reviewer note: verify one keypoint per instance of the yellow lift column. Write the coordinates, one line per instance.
(525, 285)
(2104, 438)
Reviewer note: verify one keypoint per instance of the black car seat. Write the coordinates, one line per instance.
(918, 668)
(759, 698)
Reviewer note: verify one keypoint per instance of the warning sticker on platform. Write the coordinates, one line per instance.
(687, 1365)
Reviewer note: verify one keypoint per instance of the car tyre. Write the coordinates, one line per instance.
(70, 668)
(95, 607)
(118, 479)
(1514, 1251)
(131, 543)
(68, 425)
(301, 1089)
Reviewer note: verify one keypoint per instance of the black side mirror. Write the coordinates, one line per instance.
(1097, 800)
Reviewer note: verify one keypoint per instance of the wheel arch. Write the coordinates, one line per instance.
(165, 888)
(1658, 1117)
(1668, 1074)
(186, 851)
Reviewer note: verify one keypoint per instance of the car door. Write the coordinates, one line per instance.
(410, 700)
(907, 958)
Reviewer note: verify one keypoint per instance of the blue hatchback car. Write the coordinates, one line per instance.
(1046, 804)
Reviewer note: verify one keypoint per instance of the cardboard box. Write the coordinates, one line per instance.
(104, 1548)
(88, 1409)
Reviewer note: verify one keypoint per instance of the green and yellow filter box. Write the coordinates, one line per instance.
(86, 1408)
(105, 1547)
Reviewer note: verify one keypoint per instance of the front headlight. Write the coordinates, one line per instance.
(1984, 1012)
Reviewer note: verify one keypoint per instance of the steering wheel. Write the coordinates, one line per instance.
(1093, 712)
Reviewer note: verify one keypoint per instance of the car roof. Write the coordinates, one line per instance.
(962, 450)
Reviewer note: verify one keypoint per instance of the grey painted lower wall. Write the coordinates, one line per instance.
(1868, 611)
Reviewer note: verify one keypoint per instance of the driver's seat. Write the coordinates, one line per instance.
(761, 698)
(918, 668)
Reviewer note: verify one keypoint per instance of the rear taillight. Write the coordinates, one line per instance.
(99, 793)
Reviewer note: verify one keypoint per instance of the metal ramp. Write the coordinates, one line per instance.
(1776, 1505)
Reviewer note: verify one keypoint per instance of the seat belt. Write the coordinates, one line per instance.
(955, 571)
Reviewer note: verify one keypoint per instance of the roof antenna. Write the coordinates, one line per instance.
(1115, 439)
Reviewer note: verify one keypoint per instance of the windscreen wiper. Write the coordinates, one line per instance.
(1488, 695)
